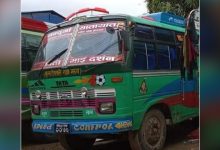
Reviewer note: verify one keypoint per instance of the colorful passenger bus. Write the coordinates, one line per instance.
(112, 74)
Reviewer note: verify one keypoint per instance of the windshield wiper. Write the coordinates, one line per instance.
(52, 59)
(57, 56)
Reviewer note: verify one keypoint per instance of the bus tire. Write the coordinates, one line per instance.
(75, 142)
(152, 134)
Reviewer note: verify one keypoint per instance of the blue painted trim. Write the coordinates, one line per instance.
(84, 126)
(173, 87)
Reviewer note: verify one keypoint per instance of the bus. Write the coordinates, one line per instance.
(112, 74)
(31, 35)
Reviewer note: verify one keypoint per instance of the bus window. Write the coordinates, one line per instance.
(163, 57)
(175, 57)
(143, 32)
(30, 44)
(140, 59)
(164, 35)
(151, 56)
(144, 56)
(168, 57)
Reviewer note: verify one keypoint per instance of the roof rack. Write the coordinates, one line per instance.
(97, 9)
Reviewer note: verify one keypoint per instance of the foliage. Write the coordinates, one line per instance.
(178, 7)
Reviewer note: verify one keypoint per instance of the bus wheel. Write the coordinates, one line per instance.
(75, 142)
(152, 134)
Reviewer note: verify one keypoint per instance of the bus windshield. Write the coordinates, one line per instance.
(93, 44)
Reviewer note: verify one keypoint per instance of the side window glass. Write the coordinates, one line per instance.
(140, 58)
(30, 44)
(175, 57)
(168, 57)
(144, 32)
(144, 56)
(151, 57)
(163, 57)
(164, 35)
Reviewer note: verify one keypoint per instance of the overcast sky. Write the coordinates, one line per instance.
(66, 7)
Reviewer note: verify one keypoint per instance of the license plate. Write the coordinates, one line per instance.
(62, 128)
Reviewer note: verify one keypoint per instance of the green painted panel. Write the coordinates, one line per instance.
(155, 81)
(123, 95)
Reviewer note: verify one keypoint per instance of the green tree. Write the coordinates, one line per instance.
(178, 7)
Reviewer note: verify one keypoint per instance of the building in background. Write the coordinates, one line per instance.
(46, 16)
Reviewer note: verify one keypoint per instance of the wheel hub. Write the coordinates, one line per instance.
(153, 131)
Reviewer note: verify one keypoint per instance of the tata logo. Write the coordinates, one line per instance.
(62, 83)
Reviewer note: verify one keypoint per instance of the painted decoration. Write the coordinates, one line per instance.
(101, 26)
(143, 87)
(84, 80)
(58, 33)
(93, 80)
(100, 80)
(93, 59)
(78, 61)
(81, 127)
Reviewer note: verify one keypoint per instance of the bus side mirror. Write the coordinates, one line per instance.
(110, 30)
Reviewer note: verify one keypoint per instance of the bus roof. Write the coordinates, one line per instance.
(156, 24)
(33, 25)
(120, 16)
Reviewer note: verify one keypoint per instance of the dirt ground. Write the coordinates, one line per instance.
(177, 139)
(110, 145)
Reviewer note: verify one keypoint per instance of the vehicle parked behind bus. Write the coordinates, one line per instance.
(31, 35)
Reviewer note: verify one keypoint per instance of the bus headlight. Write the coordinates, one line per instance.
(36, 109)
(107, 108)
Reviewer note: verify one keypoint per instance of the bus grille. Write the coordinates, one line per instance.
(66, 113)
(74, 94)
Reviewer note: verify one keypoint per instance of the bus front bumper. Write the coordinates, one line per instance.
(82, 126)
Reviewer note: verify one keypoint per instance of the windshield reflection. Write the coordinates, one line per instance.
(53, 43)
(94, 44)
(51, 47)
